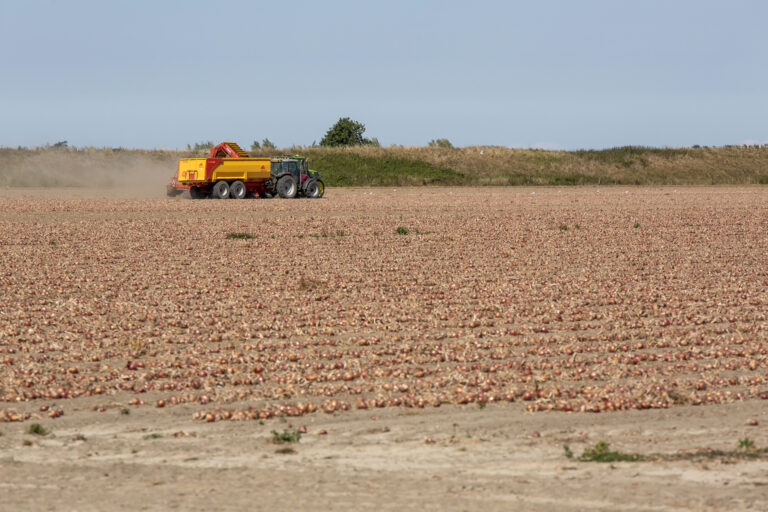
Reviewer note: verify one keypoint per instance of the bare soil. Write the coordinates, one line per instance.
(648, 309)
(450, 458)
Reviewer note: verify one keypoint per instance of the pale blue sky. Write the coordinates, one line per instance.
(560, 74)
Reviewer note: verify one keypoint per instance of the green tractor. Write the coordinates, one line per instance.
(290, 177)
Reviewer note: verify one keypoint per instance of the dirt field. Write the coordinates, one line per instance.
(439, 347)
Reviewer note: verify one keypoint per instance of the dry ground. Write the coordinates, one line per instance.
(647, 302)
(498, 458)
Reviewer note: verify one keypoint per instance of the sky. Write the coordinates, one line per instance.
(553, 74)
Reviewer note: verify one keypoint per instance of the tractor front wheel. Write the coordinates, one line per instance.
(320, 189)
(312, 190)
(286, 187)
(221, 190)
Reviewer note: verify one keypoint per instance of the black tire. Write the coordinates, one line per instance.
(311, 189)
(237, 190)
(286, 187)
(221, 190)
(196, 193)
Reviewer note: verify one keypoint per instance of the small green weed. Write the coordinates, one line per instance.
(481, 405)
(154, 435)
(37, 429)
(125, 411)
(746, 450)
(741, 453)
(239, 236)
(563, 227)
(636, 225)
(746, 444)
(402, 230)
(602, 453)
(341, 232)
(286, 436)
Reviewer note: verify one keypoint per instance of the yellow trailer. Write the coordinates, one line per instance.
(198, 171)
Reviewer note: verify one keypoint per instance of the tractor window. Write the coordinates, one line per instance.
(275, 167)
(291, 166)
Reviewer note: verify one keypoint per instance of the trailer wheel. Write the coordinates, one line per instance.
(196, 193)
(286, 187)
(237, 190)
(221, 190)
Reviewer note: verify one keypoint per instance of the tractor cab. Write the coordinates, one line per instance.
(292, 166)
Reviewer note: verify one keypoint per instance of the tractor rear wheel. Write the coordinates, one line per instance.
(286, 187)
(221, 190)
(237, 190)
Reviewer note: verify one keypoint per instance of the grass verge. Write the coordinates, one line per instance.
(408, 166)
(601, 452)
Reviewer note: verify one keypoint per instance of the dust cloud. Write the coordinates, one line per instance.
(124, 174)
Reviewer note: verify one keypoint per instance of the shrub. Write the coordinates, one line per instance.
(202, 146)
(345, 132)
(440, 143)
